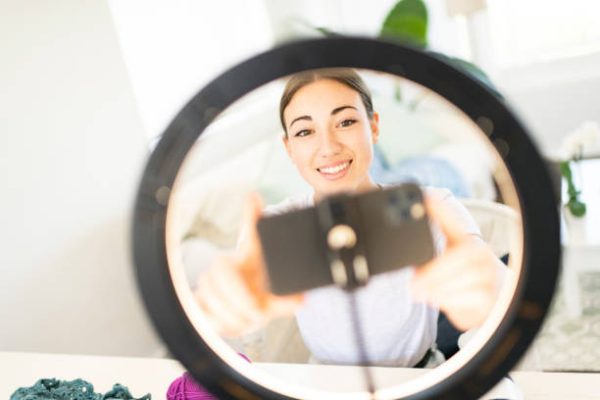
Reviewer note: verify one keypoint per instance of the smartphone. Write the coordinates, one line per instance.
(391, 226)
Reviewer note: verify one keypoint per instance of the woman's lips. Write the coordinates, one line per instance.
(335, 171)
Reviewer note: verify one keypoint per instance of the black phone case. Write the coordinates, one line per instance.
(391, 225)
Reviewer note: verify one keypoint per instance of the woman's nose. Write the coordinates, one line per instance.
(329, 144)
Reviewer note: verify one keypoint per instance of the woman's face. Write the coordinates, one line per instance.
(330, 137)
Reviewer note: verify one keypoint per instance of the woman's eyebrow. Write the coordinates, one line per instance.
(338, 109)
(333, 112)
(304, 117)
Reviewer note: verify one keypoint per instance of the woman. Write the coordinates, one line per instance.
(330, 128)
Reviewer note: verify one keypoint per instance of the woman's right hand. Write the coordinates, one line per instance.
(233, 292)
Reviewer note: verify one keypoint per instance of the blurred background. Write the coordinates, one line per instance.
(87, 88)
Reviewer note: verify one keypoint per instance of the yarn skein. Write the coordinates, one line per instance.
(78, 389)
(186, 388)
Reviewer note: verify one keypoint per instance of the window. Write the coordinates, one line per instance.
(530, 31)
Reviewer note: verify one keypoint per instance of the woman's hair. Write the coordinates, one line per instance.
(345, 76)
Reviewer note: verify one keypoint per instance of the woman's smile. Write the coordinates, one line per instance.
(335, 171)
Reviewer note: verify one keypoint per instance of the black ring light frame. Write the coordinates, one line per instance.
(541, 247)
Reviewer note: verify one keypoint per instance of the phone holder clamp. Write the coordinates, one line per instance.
(339, 218)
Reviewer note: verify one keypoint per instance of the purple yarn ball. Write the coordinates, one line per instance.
(186, 388)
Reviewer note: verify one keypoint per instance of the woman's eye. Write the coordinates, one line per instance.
(347, 122)
(302, 133)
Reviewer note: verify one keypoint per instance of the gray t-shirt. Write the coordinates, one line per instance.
(397, 331)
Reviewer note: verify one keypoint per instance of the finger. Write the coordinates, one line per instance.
(228, 284)
(469, 311)
(219, 312)
(432, 289)
(216, 313)
(440, 295)
(476, 261)
(249, 243)
(473, 257)
(446, 216)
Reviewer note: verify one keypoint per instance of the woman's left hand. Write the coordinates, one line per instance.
(465, 279)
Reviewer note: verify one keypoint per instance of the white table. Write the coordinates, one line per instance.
(140, 375)
(150, 375)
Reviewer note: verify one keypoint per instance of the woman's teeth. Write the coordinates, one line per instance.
(336, 169)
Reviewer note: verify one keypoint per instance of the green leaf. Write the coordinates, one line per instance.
(407, 22)
(326, 31)
(577, 208)
(565, 169)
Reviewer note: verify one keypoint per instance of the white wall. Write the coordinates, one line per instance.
(554, 97)
(71, 151)
(173, 49)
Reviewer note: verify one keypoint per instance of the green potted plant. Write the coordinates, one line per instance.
(583, 141)
(575, 206)
(407, 22)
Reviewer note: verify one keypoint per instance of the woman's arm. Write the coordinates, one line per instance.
(465, 279)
